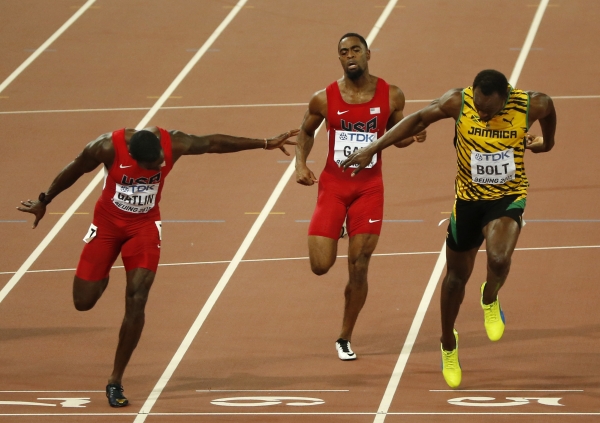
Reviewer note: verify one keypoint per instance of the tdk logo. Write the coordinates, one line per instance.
(493, 157)
(357, 137)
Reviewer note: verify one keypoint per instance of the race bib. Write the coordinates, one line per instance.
(347, 143)
(139, 198)
(493, 168)
(91, 234)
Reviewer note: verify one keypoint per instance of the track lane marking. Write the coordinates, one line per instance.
(46, 44)
(100, 175)
(414, 253)
(195, 328)
(225, 106)
(390, 391)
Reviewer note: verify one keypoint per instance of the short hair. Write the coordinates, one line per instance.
(491, 81)
(354, 34)
(144, 147)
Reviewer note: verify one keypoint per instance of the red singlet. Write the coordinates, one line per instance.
(357, 199)
(127, 215)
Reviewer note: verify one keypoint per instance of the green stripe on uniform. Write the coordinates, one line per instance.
(518, 204)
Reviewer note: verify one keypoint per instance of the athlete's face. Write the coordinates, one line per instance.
(488, 106)
(353, 56)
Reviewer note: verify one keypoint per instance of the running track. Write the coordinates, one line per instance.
(235, 311)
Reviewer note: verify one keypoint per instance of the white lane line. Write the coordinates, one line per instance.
(262, 260)
(43, 392)
(506, 390)
(272, 390)
(537, 19)
(394, 381)
(185, 344)
(99, 176)
(195, 328)
(78, 414)
(46, 44)
(224, 106)
(441, 261)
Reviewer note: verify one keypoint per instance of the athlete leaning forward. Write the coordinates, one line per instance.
(491, 136)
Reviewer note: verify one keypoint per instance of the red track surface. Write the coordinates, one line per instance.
(272, 329)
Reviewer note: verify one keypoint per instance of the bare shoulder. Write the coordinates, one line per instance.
(540, 105)
(450, 102)
(538, 99)
(397, 99)
(317, 104)
(100, 150)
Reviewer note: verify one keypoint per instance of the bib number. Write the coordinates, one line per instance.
(347, 143)
(91, 234)
(140, 198)
(493, 168)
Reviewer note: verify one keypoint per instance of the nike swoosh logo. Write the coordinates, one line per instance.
(341, 113)
(373, 221)
(123, 167)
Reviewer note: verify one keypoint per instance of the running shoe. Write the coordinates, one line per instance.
(451, 365)
(493, 318)
(343, 231)
(344, 350)
(114, 393)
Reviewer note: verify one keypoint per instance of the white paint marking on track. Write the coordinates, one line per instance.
(185, 344)
(100, 175)
(441, 261)
(225, 106)
(46, 44)
(195, 328)
(262, 260)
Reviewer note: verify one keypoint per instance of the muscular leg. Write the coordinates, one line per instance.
(501, 237)
(359, 254)
(459, 266)
(139, 282)
(86, 293)
(322, 252)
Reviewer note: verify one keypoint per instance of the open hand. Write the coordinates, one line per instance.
(36, 208)
(281, 141)
(361, 157)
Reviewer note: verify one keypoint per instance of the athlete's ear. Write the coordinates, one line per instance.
(368, 54)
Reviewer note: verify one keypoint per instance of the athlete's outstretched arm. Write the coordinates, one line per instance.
(541, 107)
(446, 106)
(397, 102)
(96, 152)
(187, 144)
(314, 116)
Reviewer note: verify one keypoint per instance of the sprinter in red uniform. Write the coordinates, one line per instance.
(358, 108)
(127, 218)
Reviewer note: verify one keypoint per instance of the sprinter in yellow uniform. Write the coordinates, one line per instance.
(491, 136)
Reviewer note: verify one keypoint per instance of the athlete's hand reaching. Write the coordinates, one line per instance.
(281, 141)
(362, 158)
(36, 208)
(305, 176)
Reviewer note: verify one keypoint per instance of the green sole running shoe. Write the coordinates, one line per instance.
(493, 318)
(451, 365)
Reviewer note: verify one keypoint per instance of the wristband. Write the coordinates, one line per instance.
(42, 198)
(265, 147)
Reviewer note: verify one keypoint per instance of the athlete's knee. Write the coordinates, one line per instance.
(499, 263)
(86, 293)
(83, 304)
(319, 268)
(321, 263)
(454, 283)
